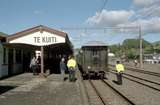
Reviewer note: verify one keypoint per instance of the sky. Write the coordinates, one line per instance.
(68, 15)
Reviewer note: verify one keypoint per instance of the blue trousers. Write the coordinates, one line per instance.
(71, 74)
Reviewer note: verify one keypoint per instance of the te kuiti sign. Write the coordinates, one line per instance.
(39, 39)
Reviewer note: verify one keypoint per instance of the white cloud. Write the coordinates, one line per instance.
(149, 8)
(37, 12)
(148, 25)
(152, 25)
(143, 3)
(70, 38)
(110, 18)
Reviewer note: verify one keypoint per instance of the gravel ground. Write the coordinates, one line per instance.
(142, 75)
(110, 96)
(148, 67)
(50, 91)
(145, 76)
(138, 93)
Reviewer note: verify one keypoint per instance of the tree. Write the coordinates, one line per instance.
(130, 48)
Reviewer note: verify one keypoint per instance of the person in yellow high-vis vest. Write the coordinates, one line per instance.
(71, 64)
(120, 70)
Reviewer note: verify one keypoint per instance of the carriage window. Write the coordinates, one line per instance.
(18, 56)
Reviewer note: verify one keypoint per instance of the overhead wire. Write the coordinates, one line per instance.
(148, 12)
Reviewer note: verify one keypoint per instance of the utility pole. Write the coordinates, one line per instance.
(140, 47)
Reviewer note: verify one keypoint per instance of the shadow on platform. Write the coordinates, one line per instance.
(4, 89)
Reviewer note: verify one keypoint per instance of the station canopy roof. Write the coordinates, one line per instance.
(39, 36)
(2, 35)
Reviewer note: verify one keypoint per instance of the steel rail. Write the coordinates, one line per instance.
(123, 96)
(140, 78)
(143, 71)
(97, 92)
(140, 70)
(138, 82)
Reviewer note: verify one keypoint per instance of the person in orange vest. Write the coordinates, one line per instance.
(120, 70)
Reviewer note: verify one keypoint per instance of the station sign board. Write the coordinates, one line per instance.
(39, 39)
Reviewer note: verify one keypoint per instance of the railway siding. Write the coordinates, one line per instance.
(109, 95)
(144, 76)
(138, 93)
(146, 67)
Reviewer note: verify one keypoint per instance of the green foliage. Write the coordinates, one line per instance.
(149, 49)
(156, 47)
(130, 48)
(134, 43)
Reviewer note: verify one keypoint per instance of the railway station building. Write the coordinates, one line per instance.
(16, 50)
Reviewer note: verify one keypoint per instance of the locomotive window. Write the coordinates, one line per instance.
(95, 53)
(95, 57)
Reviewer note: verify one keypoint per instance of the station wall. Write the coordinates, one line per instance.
(1, 53)
(8, 61)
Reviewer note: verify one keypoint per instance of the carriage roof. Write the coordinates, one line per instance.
(94, 44)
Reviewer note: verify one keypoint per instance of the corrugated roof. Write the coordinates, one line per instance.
(35, 29)
(3, 34)
(95, 43)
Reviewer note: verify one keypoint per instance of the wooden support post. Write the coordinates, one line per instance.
(42, 60)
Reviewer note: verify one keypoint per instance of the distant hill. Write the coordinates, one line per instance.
(130, 48)
(134, 43)
(156, 46)
(157, 42)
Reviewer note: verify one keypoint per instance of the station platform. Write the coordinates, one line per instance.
(26, 89)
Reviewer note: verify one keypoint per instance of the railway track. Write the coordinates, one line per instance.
(143, 71)
(93, 97)
(105, 94)
(148, 83)
(140, 70)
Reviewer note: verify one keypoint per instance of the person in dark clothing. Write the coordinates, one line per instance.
(33, 65)
(38, 63)
(62, 68)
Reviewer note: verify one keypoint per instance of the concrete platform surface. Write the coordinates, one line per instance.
(41, 91)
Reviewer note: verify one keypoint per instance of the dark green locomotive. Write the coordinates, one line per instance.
(93, 60)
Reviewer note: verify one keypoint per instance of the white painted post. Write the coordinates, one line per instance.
(42, 60)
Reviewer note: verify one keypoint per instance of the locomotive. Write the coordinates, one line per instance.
(93, 60)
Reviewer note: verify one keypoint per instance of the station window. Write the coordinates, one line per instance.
(4, 56)
(18, 56)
